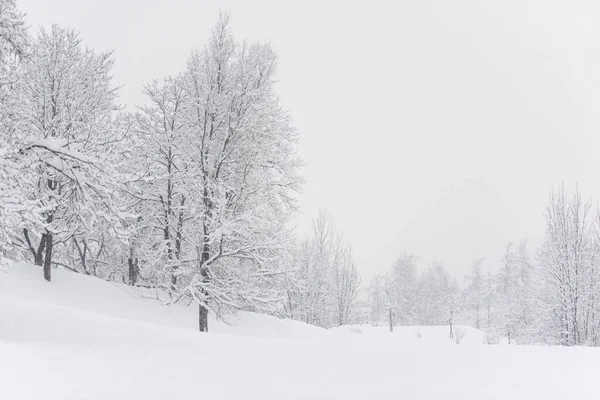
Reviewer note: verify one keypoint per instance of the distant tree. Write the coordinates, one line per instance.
(514, 295)
(323, 283)
(474, 291)
(347, 282)
(489, 301)
(404, 286)
(453, 303)
(376, 300)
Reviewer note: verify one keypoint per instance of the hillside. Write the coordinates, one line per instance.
(81, 338)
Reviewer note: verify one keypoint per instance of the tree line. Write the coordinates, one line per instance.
(550, 298)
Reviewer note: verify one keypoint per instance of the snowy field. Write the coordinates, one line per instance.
(82, 338)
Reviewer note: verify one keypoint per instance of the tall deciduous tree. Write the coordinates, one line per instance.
(245, 171)
(565, 267)
(161, 126)
(68, 138)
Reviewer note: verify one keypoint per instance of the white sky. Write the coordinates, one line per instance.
(435, 127)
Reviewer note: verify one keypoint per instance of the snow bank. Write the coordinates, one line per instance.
(81, 338)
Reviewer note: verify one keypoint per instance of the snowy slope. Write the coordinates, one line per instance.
(81, 338)
(134, 304)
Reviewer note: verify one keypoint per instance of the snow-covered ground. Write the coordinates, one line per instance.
(81, 338)
(429, 334)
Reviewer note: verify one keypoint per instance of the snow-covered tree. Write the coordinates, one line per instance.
(376, 300)
(346, 281)
(404, 282)
(162, 193)
(565, 268)
(426, 297)
(591, 319)
(323, 281)
(454, 303)
(68, 138)
(514, 295)
(245, 172)
(14, 46)
(474, 292)
(489, 303)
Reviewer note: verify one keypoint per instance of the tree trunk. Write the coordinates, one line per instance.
(203, 311)
(178, 240)
(48, 257)
(391, 321)
(202, 318)
(132, 270)
(38, 254)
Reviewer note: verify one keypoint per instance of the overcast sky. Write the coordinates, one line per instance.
(432, 127)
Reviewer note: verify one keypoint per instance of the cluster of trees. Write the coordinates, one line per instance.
(502, 304)
(552, 299)
(409, 296)
(192, 193)
(323, 282)
(569, 271)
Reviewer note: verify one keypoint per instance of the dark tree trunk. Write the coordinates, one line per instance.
(178, 240)
(48, 257)
(203, 311)
(132, 262)
(38, 254)
(49, 241)
(82, 254)
(133, 270)
(202, 318)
